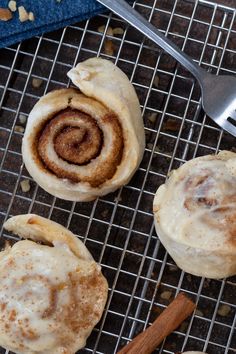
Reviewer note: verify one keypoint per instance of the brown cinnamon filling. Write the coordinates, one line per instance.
(77, 140)
(197, 189)
(77, 314)
(221, 214)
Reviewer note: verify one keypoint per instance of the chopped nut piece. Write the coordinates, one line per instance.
(101, 29)
(12, 5)
(109, 30)
(109, 47)
(118, 30)
(224, 310)
(5, 14)
(31, 16)
(166, 295)
(36, 83)
(150, 146)
(171, 125)
(152, 117)
(158, 149)
(199, 313)
(156, 81)
(25, 185)
(23, 14)
(19, 129)
(22, 118)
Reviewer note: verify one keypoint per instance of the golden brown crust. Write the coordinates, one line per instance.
(97, 163)
(48, 232)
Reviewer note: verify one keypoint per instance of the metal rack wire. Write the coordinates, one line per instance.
(118, 229)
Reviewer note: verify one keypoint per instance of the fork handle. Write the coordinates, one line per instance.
(125, 11)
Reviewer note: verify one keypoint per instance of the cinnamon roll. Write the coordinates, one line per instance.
(79, 145)
(195, 215)
(52, 294)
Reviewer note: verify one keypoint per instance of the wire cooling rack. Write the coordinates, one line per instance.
(118, 229)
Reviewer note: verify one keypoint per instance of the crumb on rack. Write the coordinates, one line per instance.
(156, 81)
(166, 295)
(224, 310)
(22, 118)
(5, 14)
(102, 29)
(23, 14)
(19, 129)
(12, 5)
(109, 47)
(152, 117)
(150, 146)
(111, 31)
(118, 31)
(36, 82)
(25, 185)
(199, 313)
(171, 125)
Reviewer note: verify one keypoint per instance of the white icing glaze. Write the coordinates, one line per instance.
(195, 215)
(50, 299)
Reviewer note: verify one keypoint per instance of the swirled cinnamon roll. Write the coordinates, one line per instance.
(51, 294)
(79, 145)
(195, 215)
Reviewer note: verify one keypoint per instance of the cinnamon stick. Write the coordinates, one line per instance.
(170, 319)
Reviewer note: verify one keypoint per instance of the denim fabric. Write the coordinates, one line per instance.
(49, 15)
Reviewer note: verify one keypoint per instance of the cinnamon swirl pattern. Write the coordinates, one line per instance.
(51, 295)
(79, 145)
(195, 215)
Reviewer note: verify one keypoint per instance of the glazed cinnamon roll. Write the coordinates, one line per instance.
(195, 215)
(79, 145)
(52, 294)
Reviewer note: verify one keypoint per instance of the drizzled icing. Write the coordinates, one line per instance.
(195, 215)
(49, 299)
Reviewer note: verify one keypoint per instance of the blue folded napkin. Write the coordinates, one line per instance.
(49, 15)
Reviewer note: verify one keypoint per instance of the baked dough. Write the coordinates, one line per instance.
(78, 146)
(51, 294)
(195, 215)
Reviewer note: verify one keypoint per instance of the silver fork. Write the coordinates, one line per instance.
(218, 92)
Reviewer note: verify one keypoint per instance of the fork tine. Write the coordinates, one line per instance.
(233, 115)
(229, 127)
